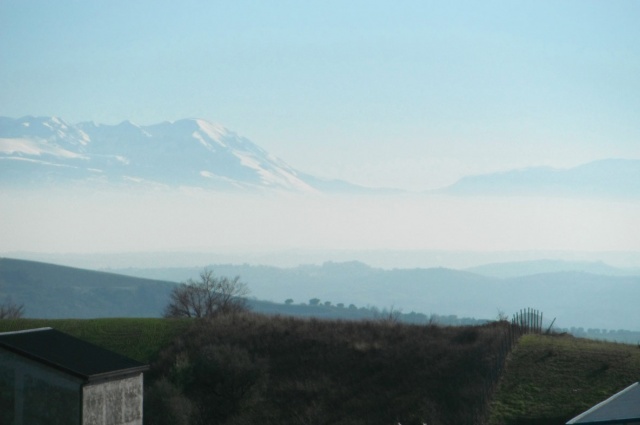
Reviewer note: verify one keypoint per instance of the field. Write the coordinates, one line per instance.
(140, 339)
(551, 379)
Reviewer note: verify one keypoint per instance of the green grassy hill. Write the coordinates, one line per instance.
(550, 379)
(140, 339)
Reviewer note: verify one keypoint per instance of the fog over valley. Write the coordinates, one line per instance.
(194, 220)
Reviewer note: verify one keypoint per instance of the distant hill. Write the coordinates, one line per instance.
(528, 268)
(609, 178)
(51, 291)
(575, 298)
(345, 290)
(428, 291)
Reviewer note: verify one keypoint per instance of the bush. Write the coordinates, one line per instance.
(272, 370)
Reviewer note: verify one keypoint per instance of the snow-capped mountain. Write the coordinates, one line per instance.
(190, 152)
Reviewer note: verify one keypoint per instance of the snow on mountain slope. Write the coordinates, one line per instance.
(34, 147)
(190, 152)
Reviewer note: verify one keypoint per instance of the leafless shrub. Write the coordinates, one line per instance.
(207, 297)
(11, 310)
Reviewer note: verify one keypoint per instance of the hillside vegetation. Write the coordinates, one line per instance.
(279, 370)
(291, 370)
(263, 369)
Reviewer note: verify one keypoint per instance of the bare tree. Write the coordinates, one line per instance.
(390, 317)
(207, 297)
(11, 310)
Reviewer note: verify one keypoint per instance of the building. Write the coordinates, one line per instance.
(621, 408)
(48, 378)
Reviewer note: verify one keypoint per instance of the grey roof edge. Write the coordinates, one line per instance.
(599, 405)
(26, 331)
(43, 361)
(118, 373)
(88, 378)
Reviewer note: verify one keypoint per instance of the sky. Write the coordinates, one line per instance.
(409, 94)
(406, 94)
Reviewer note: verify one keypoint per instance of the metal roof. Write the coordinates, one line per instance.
(620, 408)
(69, 354)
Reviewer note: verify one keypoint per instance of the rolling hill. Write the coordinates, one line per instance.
(575, 299)
(52, 291)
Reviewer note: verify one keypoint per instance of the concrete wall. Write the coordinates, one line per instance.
(117, 402)
(34, 394)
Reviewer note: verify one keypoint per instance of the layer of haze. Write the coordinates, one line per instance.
(411, 94)
(194, 221)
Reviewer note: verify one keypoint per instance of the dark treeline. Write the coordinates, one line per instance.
(327, 310)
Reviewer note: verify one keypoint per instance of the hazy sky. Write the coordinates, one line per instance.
(410, 94)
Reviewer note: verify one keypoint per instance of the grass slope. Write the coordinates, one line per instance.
(139, 339)
(551, 379)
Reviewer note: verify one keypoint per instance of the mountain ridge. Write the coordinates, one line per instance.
(186, 152)
(194, 152)
(608, 178)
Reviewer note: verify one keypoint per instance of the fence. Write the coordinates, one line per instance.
(526, 321)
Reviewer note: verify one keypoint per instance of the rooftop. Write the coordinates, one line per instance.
(69, 354)
(620, 408)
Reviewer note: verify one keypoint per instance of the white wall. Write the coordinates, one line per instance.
(117, 402)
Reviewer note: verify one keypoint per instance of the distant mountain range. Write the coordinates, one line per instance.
(514, 269)
(36, 151)
(618, 178)
(190, 152)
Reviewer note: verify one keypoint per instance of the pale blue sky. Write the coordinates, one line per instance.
(411, 94)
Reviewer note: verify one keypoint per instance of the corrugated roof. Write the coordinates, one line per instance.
(619, 408)
(69, 354)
